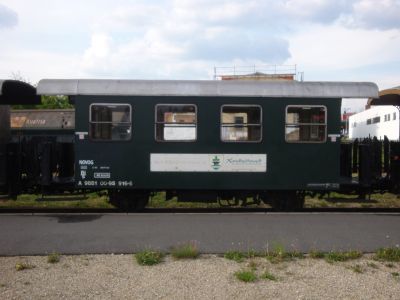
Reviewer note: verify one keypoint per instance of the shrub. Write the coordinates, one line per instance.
(246, 276)
(185, 250)
(388, 254)
(53, 258)
(149, 257)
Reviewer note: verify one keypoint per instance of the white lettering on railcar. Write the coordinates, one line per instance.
(89, 162)
(36, 122)
(102, 175)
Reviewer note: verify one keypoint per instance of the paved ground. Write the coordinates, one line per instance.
(214, 233)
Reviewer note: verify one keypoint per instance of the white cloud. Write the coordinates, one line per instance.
(335, 47)
(35, 65)
(383, 14)
(322, 11)
(185, 38)
(8, 17)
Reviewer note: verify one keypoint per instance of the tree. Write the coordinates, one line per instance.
(48, 102)
(54, 102)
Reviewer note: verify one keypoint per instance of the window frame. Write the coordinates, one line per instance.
(250, 124)
(310, 124)
(96, 122)
(174, 104)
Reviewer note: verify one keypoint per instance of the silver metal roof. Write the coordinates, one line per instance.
(232, 88)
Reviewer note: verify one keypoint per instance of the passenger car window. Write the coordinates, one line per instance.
(305, 124)
(110, 122)
(241, 123)
(176, 122)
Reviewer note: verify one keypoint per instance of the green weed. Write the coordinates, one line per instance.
(278, 254)
(388, 254)
(269, 276)
(246, 275)
(342, 256)
(234, 255)
(316, 254)
(149, 257)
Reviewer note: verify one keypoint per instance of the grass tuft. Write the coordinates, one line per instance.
(357, 269)
(372, 265)
(395, 274)
(388, 254)
(342, 256)
(316, 254)
(278, 254)
(53, 258)
(149, 257)
(246, 275)
(20, 266)
(186, 250)
(251, 254)
(252, 265)
(234, 255)
(269, 276)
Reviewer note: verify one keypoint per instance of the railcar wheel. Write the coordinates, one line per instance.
(129, 200)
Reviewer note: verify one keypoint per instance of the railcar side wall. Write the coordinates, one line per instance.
(126, 164)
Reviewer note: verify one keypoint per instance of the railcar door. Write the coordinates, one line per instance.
(101, 150)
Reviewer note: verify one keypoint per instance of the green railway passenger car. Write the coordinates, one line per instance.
(207, 140)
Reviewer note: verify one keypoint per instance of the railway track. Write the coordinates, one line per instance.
(28, 210)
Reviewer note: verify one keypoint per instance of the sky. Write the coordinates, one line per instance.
(328, 40)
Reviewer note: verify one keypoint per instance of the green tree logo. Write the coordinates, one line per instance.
(216, 163)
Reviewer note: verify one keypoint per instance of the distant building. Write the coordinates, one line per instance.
(345, 123)
(377, 121)
(381, 117)
(262, 72)
(259, 76)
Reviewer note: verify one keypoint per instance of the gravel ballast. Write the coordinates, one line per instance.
(208, 277)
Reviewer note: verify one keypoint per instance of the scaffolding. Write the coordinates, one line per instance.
(258, 72)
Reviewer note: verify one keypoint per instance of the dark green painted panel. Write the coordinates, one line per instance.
(289, 165)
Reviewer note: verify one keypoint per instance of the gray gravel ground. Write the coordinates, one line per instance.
(208, 277)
